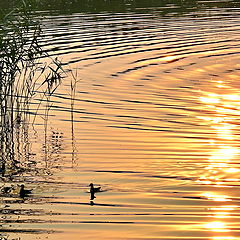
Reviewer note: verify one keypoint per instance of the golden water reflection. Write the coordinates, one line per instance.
(220, 160)
(216, 197)
(224, 238)
(224, 105)
(217, 226)
(221, 215)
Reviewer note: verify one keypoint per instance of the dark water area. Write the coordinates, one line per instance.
(165, 7)
(153, 119)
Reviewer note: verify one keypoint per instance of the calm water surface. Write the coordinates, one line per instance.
(155, 123)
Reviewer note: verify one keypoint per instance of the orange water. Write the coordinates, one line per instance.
(156, 125)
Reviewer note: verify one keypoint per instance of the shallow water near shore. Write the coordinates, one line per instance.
(155, 123)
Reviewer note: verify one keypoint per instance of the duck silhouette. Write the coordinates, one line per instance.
(94, 190)
(24, 192)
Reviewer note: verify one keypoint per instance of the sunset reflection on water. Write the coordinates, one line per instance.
(220, 218)
(224, 104)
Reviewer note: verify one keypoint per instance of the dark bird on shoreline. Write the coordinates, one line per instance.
(93, 190)
(24, 192)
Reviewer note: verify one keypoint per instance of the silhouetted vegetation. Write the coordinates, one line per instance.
(23, 77)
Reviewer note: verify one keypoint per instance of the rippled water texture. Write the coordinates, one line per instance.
(156, 124)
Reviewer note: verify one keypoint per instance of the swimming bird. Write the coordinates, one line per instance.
(94, 190)
(24, 192)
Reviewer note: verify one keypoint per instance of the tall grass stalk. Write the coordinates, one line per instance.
(73, 85)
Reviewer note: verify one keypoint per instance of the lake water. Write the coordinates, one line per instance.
(155, 124)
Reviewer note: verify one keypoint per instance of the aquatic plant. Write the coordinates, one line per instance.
(73, 86)
(27, 72)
